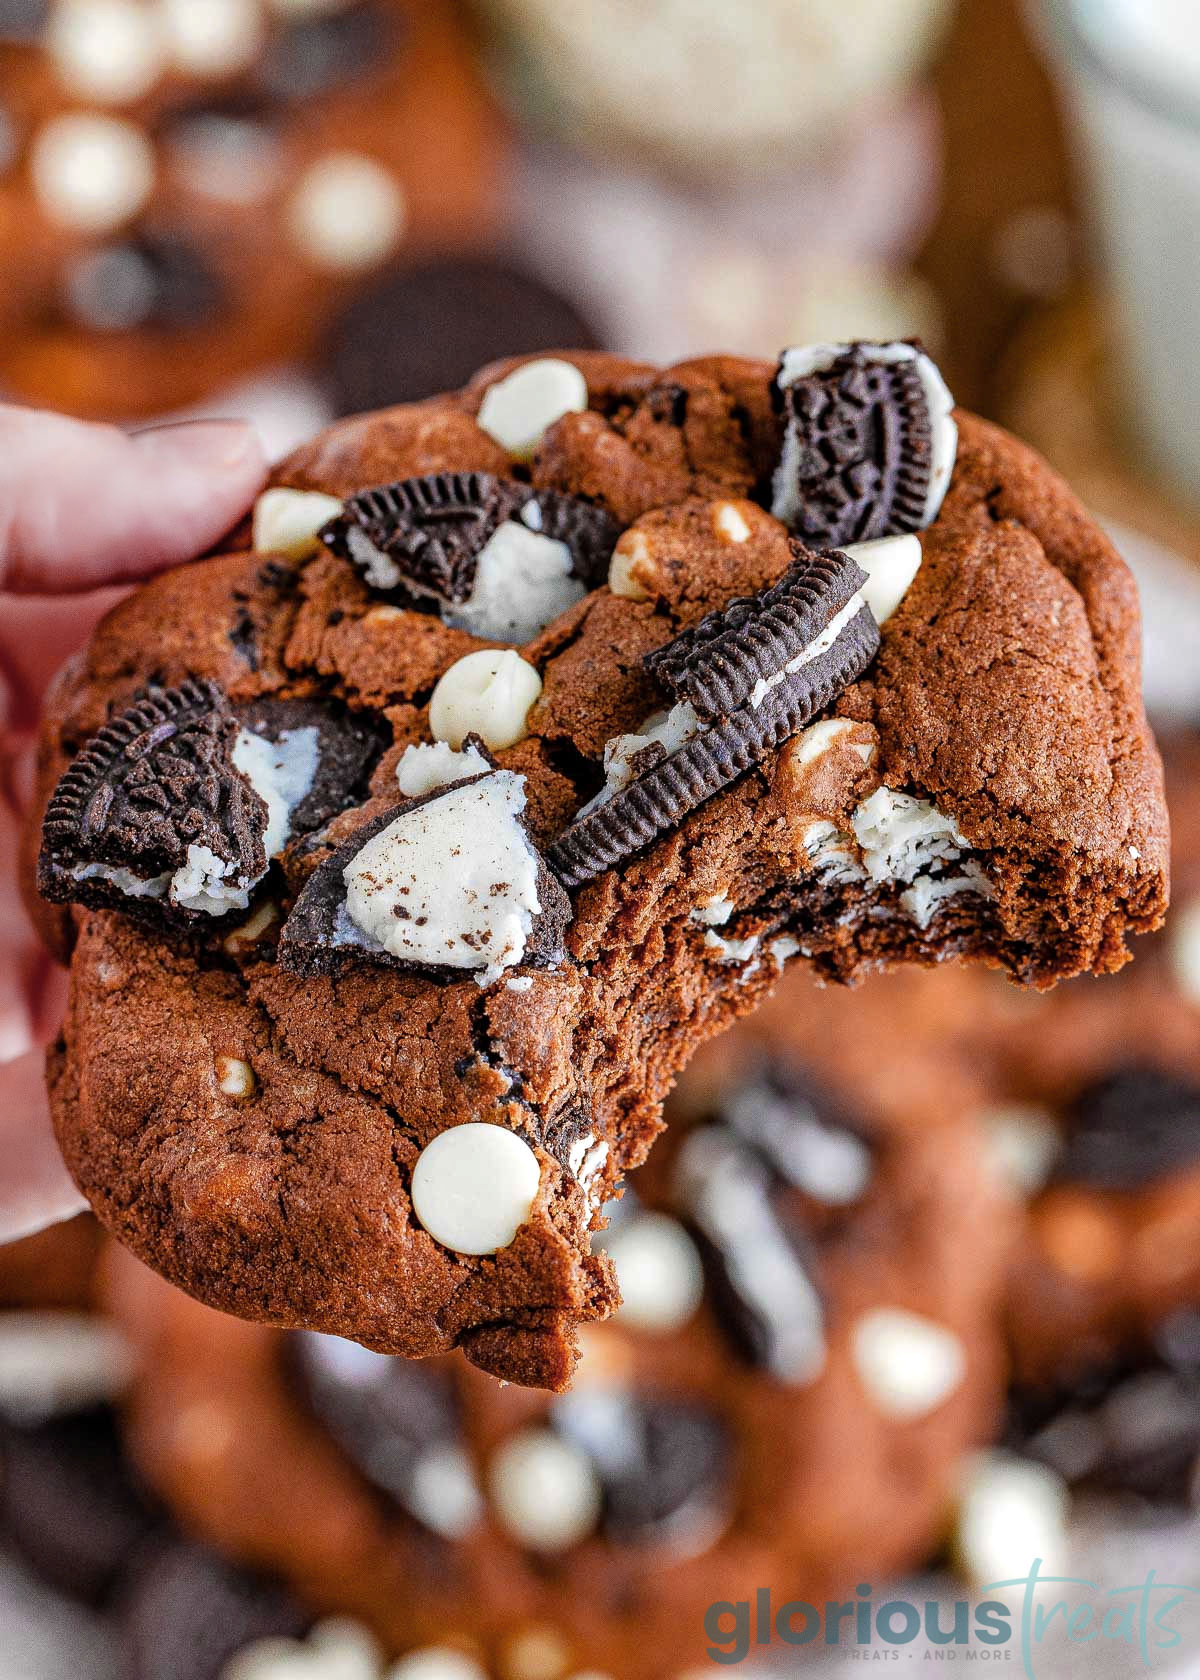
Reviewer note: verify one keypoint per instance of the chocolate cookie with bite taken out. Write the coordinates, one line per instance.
(385, 1088)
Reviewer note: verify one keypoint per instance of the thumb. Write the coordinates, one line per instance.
(84, 505)
(37, 1190)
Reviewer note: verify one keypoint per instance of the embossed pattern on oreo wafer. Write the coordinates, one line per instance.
(777, 707)
(497, 557)
(157, 791)
(869, 441)
(718, 663)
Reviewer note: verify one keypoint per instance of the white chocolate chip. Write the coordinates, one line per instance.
(535, 1653)
(488, 694)
(54, 1363)
(908, 1364)
(632, 550)
(1011, 1510)
(659, 1272)
(212, 37)
(519, 410)
(288, 521)
(336, 1649)
(815, 741)
(729, 523)
(347, 212)
(473, 1187)
(544, 1490)
(436, 1662)
(891, 564)
(1023, 1144)
(235, 1078)
(91, 173)
(107, 50)
(252, 930)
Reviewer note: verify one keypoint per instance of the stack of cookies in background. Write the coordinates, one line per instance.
(913, 1282)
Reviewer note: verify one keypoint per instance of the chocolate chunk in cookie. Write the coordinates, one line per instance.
(663, 1465)
(189, 1613)
(447, 884)
(159, 809)
(744, 680)
(493, 556)
(1132, 1129)
(398, 1423)
(869, 441)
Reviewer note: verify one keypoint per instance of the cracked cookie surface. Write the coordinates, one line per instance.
(987, 787)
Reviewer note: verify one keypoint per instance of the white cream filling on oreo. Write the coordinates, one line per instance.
(670, 730)
(829, 1163)
(433, 764)
(899, 839)
(452, 883)
(806, 359)
(282, 773)
(522, 580)
(819, 645)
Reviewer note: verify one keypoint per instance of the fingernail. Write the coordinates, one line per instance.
(207, 443)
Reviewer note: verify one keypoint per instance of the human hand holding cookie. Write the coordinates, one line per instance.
(82, 509)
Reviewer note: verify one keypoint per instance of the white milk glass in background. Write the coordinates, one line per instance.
(1129, 71)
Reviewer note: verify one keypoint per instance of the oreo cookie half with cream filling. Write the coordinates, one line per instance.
(869, 441)
(448, 883)
(495, 557)
(744, 679)
(177, 807)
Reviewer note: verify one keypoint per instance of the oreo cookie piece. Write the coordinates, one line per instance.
(69, 1503)
(188, 1613)
(147, 281)
(494, 557)
(801, 1135)
(761, 1269)
(869, 441)
(156, 811)
(744, 681)
(446, 884)
(328, 49)
(348, 746)
(663, 1465)
(1132, 1129)
(398, 1422)
(427, 328)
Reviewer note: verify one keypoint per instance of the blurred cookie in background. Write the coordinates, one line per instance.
(809, 1343)
(703, 87)
(427, 328)
(188, 191)
(54, 1268)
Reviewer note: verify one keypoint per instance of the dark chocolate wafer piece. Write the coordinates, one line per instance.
(728, 660)
(426, 534)
(865, 454)
(156, 786)
(320, 936)
(349, 745)
(718, 663)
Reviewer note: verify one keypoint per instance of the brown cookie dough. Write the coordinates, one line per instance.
(988, 788)
(688, 1465)
(190, 193)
